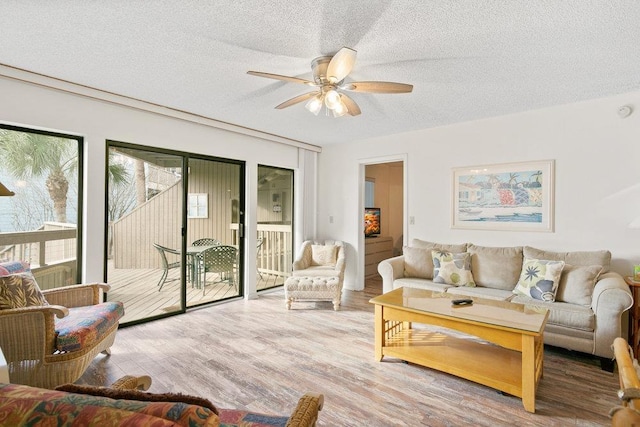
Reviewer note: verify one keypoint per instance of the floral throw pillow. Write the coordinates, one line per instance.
(20, 290)
(539, 279)
(452, 269)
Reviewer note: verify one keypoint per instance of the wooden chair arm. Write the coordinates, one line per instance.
(76, 295)
(55, 310)
(129, 382)
(306, 412)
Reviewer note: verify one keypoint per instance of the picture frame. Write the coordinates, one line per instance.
(508, 196)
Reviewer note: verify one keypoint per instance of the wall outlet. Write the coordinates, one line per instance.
(330, 219)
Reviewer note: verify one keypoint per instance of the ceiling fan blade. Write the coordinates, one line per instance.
(280, 77)
(378, 87)
(352, 107)
(341, 65)
(297, 99)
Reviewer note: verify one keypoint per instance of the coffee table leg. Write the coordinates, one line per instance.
(529, 373)
(379, 332)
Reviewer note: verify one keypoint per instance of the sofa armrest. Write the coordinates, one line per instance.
(306, 412)
(390, 270)
(611, 297)
(76, 295)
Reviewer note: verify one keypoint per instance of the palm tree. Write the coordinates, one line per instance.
(30, 155)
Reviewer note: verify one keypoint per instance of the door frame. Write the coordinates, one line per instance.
(362, 164)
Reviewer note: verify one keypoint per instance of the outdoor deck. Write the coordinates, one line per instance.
(138, 290)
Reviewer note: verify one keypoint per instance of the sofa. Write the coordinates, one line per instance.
(586, 300)
(125, 404)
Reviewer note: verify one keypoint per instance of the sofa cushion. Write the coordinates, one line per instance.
(539, 279)
(496, 267)
(87, 325)
(456, 248)
(411, 282)
(235, 417)
(563, 314)
(24, 405)
(582, 258)
(452, 268)
(480, 292)
(20, 290)
(417, 262)
(577, 283)
(321, 270)
(324, 255)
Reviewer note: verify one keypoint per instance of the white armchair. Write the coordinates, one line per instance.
(318, 258)
(318, 273)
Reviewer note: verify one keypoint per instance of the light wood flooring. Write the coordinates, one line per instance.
(256, 355)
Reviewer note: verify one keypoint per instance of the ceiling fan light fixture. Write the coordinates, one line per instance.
(332, 99)
(314, 104)
(340, 109)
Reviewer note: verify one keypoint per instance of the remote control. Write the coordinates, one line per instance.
(464, 301)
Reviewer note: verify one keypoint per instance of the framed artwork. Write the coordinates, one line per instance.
(197, 205)
(509, 196)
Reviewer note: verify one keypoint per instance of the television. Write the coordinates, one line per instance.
(371, 222)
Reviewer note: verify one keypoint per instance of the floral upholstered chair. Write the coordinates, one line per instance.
(49, 337)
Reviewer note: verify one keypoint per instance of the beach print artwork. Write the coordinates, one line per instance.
(503, 197)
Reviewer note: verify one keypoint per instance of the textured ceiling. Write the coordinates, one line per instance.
(466, 59)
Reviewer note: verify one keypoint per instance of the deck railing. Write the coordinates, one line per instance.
(50, 252)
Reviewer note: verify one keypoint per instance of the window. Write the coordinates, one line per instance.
(198, 207)
(43, 169)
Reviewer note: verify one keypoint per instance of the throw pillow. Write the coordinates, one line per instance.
(20, 290)
(324, 254)
(452, 269)
(577, 283)
(539, 279)
(496, 267)
(13, 267)
(418, 262)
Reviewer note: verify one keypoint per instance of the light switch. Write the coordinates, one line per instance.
(412, 220)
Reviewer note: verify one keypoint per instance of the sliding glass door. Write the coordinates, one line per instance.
(275, 222)
(174, 234)
(144, 232)
(214, 232)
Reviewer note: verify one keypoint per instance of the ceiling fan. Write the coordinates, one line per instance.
(329, 73)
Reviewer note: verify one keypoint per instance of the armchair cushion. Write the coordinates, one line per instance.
(86, 325)
(20, 290)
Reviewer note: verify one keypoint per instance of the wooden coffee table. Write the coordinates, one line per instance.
(511, 361)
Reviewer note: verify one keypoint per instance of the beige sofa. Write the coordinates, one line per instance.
(586, 315)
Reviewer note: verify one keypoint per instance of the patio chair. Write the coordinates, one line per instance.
(166, 265)
(207, 241)
(221, 260)
(49, 337)
(259, 244)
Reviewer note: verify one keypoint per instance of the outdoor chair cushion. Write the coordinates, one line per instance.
(87, 325)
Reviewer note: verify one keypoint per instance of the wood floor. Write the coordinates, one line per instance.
(256, 355)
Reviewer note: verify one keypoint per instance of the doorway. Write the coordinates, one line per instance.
(383, 198)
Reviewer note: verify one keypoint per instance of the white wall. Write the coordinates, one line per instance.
(32, 105)
(597, 186)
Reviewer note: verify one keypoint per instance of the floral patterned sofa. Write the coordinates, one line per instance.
(124, 404)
